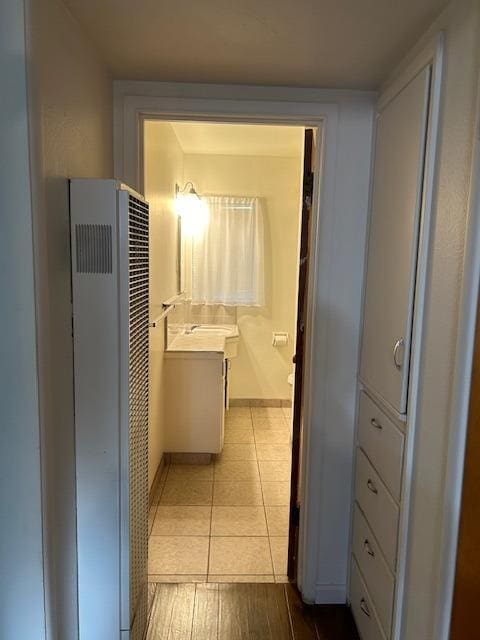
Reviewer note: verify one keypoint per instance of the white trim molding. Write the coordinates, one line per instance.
(461, 397)
(344, 120)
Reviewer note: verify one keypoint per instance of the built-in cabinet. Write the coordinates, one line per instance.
(396, 202)
(389, 305)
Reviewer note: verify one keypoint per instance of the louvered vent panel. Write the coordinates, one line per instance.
(138, 406)
(93, 248)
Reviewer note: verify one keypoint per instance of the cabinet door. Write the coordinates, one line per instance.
(393, 241)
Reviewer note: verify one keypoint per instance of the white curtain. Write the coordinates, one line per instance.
(227, 257)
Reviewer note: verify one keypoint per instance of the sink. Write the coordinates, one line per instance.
(226, 330)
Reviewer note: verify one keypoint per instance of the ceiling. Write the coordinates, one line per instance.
(310, 43)
(239, 139)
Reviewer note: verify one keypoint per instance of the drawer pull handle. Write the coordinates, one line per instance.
(376, 424)
(364, 607)
(400, 343)
(368, 548)
(372, 487)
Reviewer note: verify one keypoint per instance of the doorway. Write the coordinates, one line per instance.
(226, 517)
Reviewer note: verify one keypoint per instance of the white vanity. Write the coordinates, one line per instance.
(196, 386)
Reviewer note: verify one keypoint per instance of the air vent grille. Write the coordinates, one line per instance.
(93, 248)
(138, 404)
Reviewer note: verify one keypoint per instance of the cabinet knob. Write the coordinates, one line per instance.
(398, 353)
(376, 424)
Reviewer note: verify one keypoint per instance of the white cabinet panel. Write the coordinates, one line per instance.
(363, 610)
(393, 240)
(194, 387)
(378, 506)
(382, 441)
(378, 578)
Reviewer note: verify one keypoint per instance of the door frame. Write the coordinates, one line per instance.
(320, 109)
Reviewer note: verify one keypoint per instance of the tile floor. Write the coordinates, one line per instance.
(227, 521)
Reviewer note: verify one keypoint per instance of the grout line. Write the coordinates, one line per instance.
(209, 540)
(265, 512)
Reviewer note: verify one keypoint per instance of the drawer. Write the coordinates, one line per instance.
(379, 507)
(383, 443)
(378, 577)
(363, 611)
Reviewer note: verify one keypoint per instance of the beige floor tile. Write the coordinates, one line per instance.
(219, 578)
(273, 452)
(277, 520)
(231, 494)
(191, 471)
(238, 452)
(279, 547)
(240, 556)
(267, 412)
(238, 411)
(276, 494)
(239, 436)
(238, 422)
(264, 422)
(155, 577)
(178, 555)
(236, 470)
(181, 491)
(274, 470)
(239, 521)
(272, 436)
(182, 521)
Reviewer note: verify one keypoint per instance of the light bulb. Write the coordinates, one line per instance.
(193, 212)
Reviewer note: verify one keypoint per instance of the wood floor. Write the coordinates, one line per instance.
(212, 611)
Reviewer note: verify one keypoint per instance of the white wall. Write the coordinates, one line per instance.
(163, 164)
(429, 509)
(71, 125)
(261, 370)
(21, 555)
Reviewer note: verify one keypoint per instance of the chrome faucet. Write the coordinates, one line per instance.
(191, 329)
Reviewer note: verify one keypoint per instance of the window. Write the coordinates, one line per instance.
(227, 256)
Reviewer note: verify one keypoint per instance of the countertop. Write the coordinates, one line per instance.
(195, 342)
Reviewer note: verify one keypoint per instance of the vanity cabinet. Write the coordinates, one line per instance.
(396, 202)
(194, 385)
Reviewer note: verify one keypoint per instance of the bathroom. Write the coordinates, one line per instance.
(225, 217)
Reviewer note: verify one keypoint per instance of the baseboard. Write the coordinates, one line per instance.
(156, 481)
(260, 402)
(330, 594)
(188, 458)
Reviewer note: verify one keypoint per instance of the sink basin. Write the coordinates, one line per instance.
(226, 330)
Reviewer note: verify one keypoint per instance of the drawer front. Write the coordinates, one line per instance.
(378, 506)
(378, 577)
(363, 611)
(383, 443)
